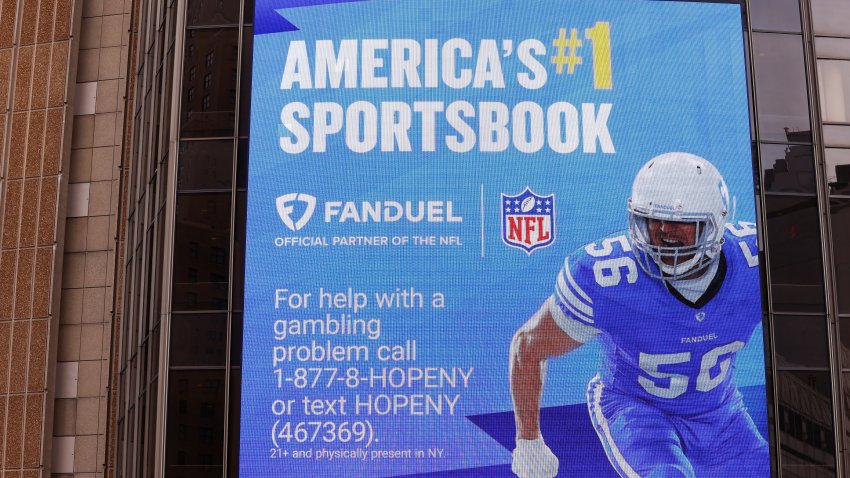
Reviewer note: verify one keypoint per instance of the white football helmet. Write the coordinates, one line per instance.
(679, 187)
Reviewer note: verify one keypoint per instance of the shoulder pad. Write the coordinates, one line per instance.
(742, 243)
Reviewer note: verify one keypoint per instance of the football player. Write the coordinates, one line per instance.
(672, 300)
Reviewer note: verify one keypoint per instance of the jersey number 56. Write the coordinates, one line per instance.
(678, 383)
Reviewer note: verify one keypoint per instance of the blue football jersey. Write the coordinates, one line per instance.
(674, 354)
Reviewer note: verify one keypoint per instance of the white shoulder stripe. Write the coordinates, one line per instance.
(573, 282)
(574, 328)
(575, 313)
(565, 291)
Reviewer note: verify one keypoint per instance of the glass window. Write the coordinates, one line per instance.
(198, 339)
(202, 226)
(844, 329)
(846, 403)
(834, 88)
(212, 12)
(248, 12)
(239, 250)
(195, 423)
(836, 135)
(831, 17)
(778, 15)
(806, 433)
(838, 170)
(788, 168)
(783, 109)
(233, 420)
(242, 164)
(213, 114)
(205, 165)
(840, 210)
(801, 342)
(793, 240)
(245, 81)
(236, 339)
(829, 47)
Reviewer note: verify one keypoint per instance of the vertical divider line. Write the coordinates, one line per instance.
(482, 219)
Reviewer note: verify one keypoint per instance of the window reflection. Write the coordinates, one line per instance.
(236, 339)
(233, 419)
(836, 135)
(801, 342)
(828, 47)
(778, 15)
(195, 423)
(834, 88)
(245, 80)
(838, 170)
(840, 210)
(242, 164)
(783, 109)
(205, 165)
(806, 434)
(844, 330)
(831, 17)
(212, 12)
(201, 248)
(788, 168)
(796, 269)
(213, 53)
(248, 12)
(198, 339)
(239, 250)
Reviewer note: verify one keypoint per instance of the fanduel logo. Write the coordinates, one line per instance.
(285, 207)
(391, 211)
(365, 211)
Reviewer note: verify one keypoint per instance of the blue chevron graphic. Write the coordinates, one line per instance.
(269, 19)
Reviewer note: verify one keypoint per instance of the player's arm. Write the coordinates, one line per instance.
(537, 340)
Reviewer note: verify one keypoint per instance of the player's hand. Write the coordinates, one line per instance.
(533, 459)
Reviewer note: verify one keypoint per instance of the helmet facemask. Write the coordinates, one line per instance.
(674, 262)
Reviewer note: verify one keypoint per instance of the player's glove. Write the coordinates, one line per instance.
(533, 459)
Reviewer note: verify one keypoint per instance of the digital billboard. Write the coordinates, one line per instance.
(501, 239)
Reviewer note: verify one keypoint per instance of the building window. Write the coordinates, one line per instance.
(838, 170)
(834, 87)
(783, 104)
(218, 255)
(208, 62)
(831, 17)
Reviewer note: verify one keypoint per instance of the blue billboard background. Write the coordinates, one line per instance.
(677, 84)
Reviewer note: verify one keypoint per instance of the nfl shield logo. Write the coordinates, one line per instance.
(528, 220)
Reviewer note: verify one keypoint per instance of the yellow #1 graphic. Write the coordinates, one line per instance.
(600, 38)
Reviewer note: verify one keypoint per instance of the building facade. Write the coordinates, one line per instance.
(123, 178)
